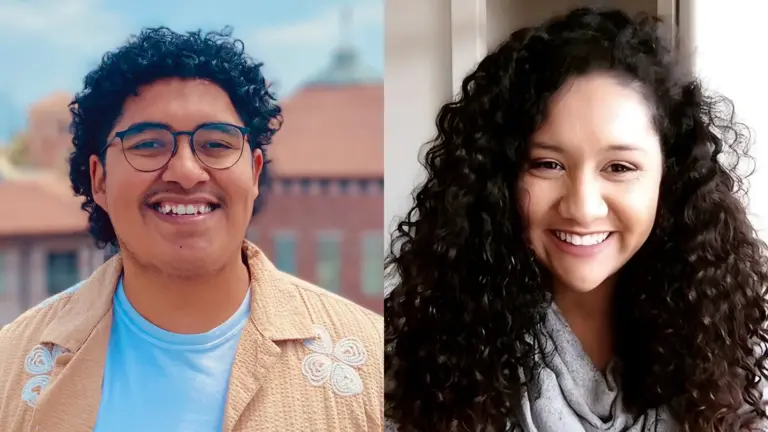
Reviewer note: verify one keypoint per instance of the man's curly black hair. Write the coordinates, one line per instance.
(152, 55)
(691, 304)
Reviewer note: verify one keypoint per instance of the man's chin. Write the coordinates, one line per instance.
(175, 242)
(189, 265)
(185, 254)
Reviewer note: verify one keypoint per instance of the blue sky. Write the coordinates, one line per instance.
(49, 45)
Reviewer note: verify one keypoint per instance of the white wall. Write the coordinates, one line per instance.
(730, 59)
(417, 82)
(430, 46)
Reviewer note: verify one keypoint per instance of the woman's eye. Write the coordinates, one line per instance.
(620, 168)
(545, 165)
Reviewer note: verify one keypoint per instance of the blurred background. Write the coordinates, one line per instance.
(323, 220)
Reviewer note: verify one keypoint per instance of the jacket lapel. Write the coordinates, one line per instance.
(277, 314)
(256, 356)
(70, 402)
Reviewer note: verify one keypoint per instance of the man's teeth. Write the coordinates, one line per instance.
(184, 209)
(587, 240)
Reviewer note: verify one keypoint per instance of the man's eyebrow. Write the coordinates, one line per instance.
(148, 125)
(154, 125)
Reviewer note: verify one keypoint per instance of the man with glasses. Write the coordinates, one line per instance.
(189, 327)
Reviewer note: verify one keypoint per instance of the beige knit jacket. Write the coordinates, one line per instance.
(307, 360)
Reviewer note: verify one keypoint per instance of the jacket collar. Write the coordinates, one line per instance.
(71, 402)
(276, 303)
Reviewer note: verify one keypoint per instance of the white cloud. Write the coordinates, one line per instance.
(322, 28)
(80, 26)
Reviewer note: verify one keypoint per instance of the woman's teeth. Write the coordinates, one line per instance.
(585, 240)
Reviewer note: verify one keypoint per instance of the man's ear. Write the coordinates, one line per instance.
(98, 182)
(257, 162)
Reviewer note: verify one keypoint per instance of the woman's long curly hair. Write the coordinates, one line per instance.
(468, 294)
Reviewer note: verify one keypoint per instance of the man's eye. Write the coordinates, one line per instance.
(146, 145)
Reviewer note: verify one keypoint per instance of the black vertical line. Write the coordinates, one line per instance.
(677, 20)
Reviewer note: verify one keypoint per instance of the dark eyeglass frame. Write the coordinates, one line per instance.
(244, 131)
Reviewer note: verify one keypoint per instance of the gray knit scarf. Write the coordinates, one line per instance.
(573, 396)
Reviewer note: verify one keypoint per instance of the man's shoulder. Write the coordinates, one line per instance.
(27, 329)
(322, 303)
(25, 360)
(349, 336)
(341, 321)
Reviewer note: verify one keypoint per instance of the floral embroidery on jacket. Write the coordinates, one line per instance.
(39, 363)
(334, 363)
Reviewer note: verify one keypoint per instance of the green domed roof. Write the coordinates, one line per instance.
(346, 67)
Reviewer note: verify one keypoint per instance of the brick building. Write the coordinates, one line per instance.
(324, 215)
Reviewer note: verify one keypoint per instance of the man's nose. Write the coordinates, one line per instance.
(184, 168)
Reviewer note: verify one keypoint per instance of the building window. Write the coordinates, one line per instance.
(62, 271)
(328, 270)
(372, 271)
(285, 251)
(344, 186)
(285, 186)
(305, 184)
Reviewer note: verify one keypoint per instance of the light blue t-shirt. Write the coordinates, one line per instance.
(155, 380)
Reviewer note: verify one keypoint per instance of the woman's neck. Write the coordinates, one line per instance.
(590, 316)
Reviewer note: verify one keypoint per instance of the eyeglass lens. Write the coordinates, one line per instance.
(150, 148)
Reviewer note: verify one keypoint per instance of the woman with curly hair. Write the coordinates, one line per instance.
(579, 257)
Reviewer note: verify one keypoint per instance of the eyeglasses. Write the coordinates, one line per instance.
(150, 146)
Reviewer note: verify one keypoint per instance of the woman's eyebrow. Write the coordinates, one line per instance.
(618, 147)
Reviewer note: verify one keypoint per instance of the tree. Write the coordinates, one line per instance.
(17, 151)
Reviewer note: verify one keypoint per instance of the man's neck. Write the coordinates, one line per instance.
(185, 305)
(590, 316)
